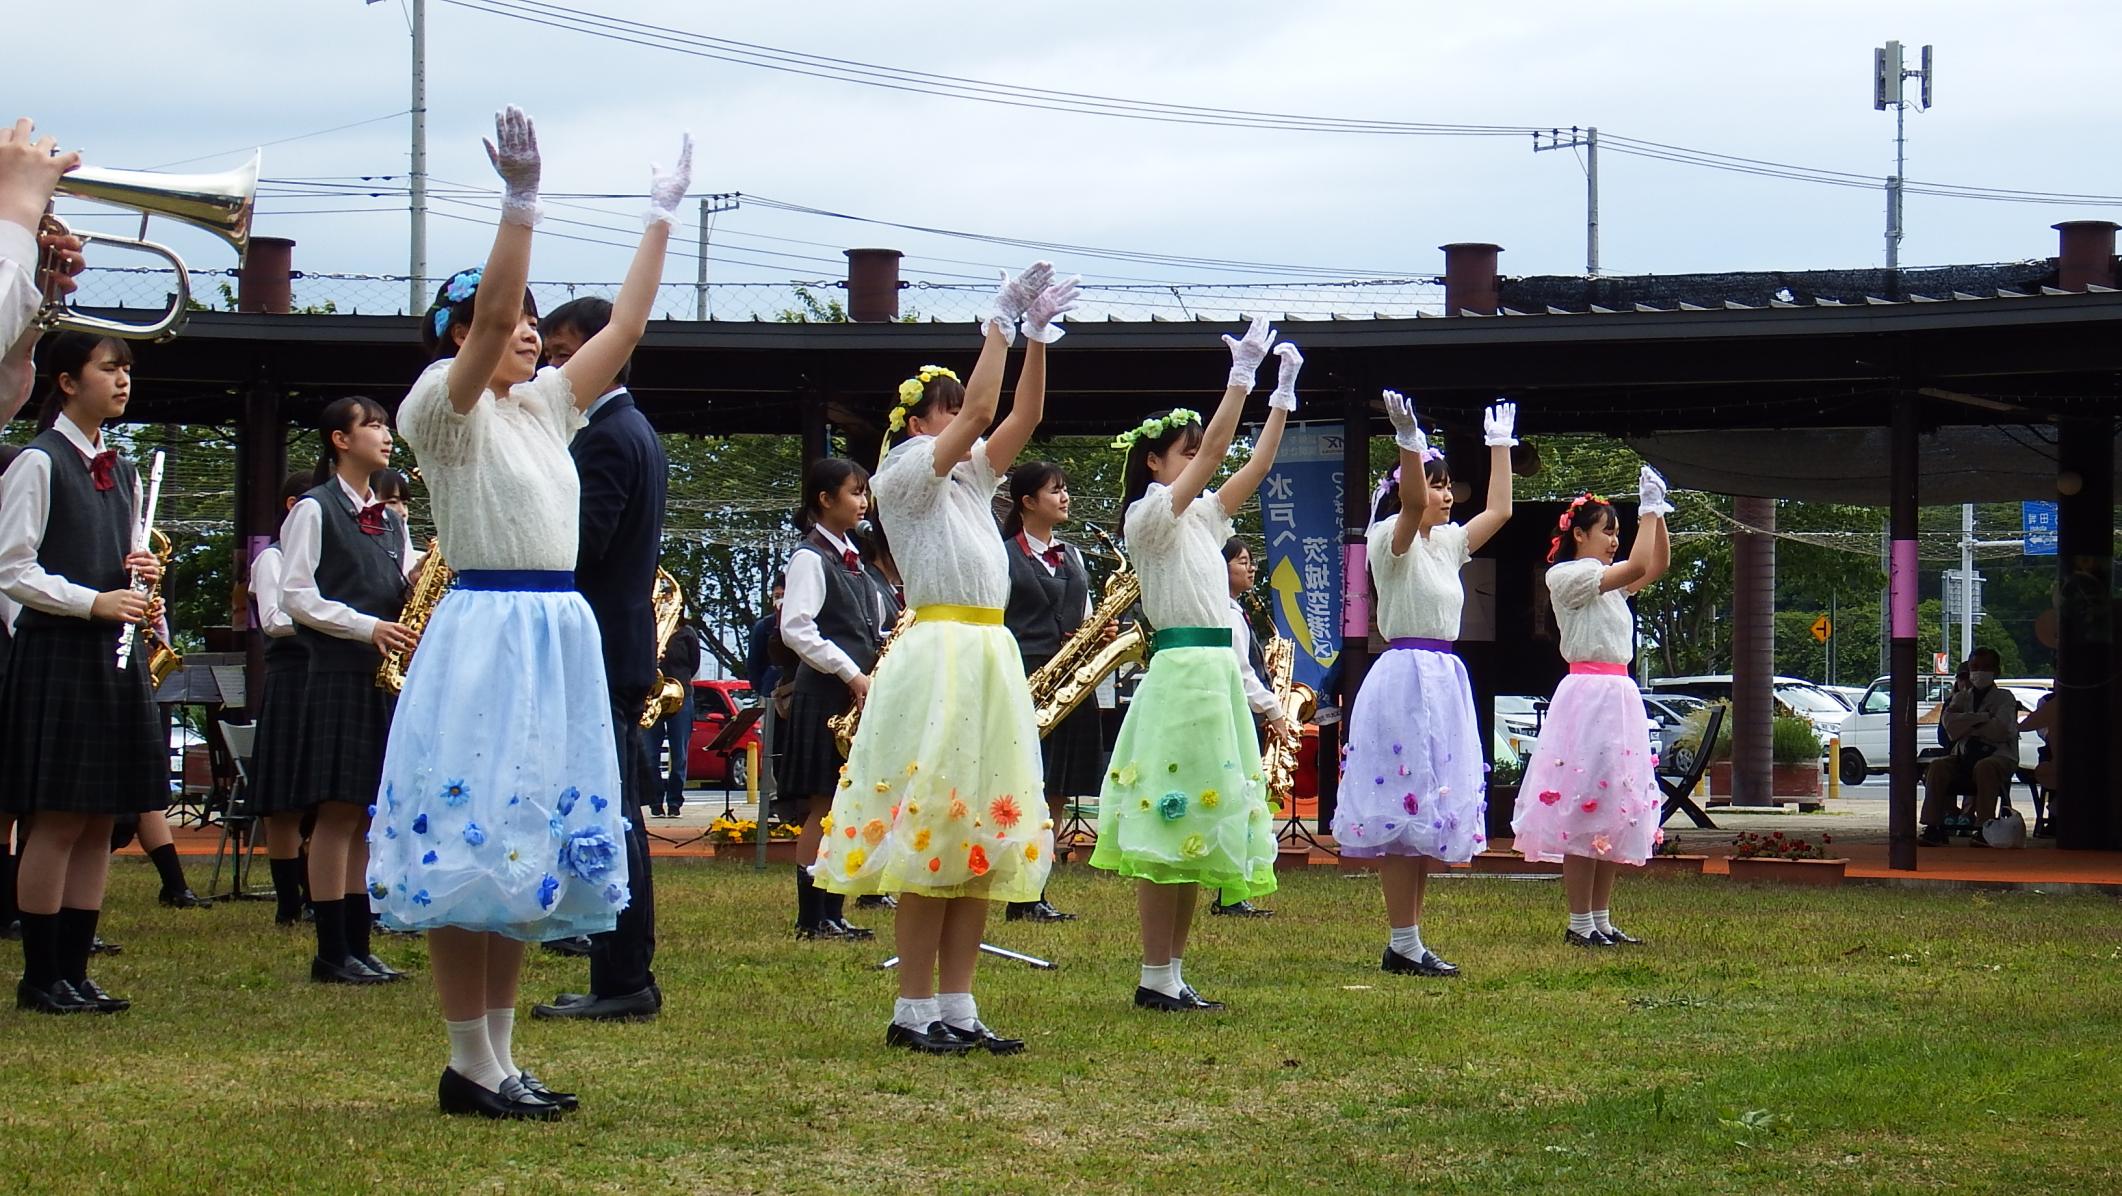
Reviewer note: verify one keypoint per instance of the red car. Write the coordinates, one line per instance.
(715, 703)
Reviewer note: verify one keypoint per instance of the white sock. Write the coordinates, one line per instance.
(958, 1010)
(1178, 974)
(915, 1013)
(1407, 941)
(471, 1055)
(500, 1034)
(1582, 924)
(1157, 977)
(1600, 920)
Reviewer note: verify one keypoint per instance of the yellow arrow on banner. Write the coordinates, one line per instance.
(1289, 590)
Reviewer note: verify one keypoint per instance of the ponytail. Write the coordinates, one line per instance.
(1586, 511)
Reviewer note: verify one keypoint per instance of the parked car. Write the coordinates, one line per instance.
(1867, 745)
(1668, 714)
(715, 703)
(1518, 721)
(1793, 695)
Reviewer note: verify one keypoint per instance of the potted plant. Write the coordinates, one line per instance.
(737, 839)
(1666, 856)
(1503, 781)
(1794, 751)
(1776, 858)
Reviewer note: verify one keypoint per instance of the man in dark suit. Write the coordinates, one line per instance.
(624, 477)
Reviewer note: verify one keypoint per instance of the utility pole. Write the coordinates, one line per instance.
(1586, 139)
(416, 265)
(1888, 77)
(710, 206)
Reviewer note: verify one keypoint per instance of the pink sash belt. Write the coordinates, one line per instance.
(1599, 668)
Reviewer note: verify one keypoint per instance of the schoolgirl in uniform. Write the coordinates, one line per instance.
(941, 800)
(346, 559)
(1414, 782)
(83, 741)
(1589, 799)
(276, 778)
(1184, 800)
(835, 614)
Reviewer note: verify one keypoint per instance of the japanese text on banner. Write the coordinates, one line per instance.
(1300, 514)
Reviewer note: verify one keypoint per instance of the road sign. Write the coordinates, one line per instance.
(1822, 629)
(2039, 519)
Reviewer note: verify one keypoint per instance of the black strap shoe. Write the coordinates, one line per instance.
(1427, 964)
(1592, 940)
(980, 1036)
(1188, 1001)
(100, 1001)
(629, 1007)
(346, 971)
(57, 997)
(185, 899)
(460, 1097)
(1620, 938)
(567, 1101)
(936, 1040)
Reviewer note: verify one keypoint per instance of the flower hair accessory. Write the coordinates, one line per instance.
(461, 286)
(911, 390)
(1562, 524)
(1150, 429)
(1384, 487)
(1432, 453)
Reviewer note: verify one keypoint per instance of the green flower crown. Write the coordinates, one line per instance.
(1172, 420)
(910, 392)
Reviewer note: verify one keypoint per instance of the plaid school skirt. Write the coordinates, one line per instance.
(78, 734)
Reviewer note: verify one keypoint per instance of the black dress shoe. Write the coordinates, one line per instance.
(346, 971)
(1044, 911)
(567, 1101)
(12, 931)
(1428, 964)
(1594, 939)
(823, 928)
(981, 1036)
(936, 1040)
(1035, 911)
(1620, 938)
(185, 899)
(629, 1007)
(100, 1001)
(459, 1096)
(1188, 1001)
(96, 946)
(853, 933)
(577, 946)
(877, 901)
(381, 968)
(571, 998)
(1240, 909)
(59, 997)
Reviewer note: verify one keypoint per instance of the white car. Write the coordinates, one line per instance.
(1867, 746)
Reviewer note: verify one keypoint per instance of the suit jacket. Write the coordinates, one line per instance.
(624, 481)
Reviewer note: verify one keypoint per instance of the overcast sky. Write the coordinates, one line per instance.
(2024, 100)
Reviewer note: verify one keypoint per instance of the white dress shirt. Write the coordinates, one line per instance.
(801, 601)
(19, 296)
(268, 577)
(25, 507)
(301, 543)
(1257, 694)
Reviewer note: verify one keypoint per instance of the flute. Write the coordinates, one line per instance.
(140, 538)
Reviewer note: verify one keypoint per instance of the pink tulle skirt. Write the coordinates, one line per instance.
(1589, 787)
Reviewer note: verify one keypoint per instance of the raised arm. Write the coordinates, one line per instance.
(1248, 476)
(1028, 405)
(1245, 357)
(514, 153)
(1498, 426)
(1414, 485)
(1651, 554)
(983, 387)
(593, 367)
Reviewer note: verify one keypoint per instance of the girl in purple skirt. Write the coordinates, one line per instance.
(1589, 799)
(1414, 780)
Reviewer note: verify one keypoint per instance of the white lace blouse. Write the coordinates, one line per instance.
(942, 529)
(504, 490)
(1595, 626)
(1179, 557)
(1419, 593)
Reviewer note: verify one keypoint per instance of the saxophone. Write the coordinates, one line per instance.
(669, 694)
(162, 660)
(436, 577)
(1063, 683)
(845, 723)
(1278, 761)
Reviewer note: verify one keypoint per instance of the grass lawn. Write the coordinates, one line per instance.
(1853, 1040)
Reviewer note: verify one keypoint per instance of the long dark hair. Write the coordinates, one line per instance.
(1434, 469)
(66, 355)
(389, 485)
(825, 476)
(435, 327)
(1586, 511)
(342, 415)
(1025, 481)
(1135, 478)
(297, 484)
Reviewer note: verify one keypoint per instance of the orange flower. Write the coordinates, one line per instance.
(977, 861)
(873, 831)
(934, 864)
(957, 808)
(921, 839)
(1004, 811)
(852, 832)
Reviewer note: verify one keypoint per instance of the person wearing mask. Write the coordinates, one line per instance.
(1981, 723)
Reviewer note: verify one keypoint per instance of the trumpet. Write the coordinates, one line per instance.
(222, 204)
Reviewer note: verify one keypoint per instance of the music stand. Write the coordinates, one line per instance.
(725, 741)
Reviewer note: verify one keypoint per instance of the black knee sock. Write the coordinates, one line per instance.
(806, 899)
(165, 858)
(287, 890)
(8, 912)
(40, 949)
(331, 931)
(358, 921)
(831, 905)
(77, 934)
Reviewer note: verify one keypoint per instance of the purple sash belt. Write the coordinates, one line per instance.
(1422, 645)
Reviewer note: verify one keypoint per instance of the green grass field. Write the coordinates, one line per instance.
(1856, 1040)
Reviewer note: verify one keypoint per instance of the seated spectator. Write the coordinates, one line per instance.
(2045, 721)
(1981, 725)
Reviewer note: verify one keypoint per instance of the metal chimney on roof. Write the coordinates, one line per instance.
(2085, 254)
(1470, 277)
(265, 281)
(873, 285)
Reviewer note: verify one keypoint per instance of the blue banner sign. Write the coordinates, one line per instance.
(2040, 528)
(1300, 513)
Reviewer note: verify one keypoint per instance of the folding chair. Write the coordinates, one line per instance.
(240, 821)
(1679, 793)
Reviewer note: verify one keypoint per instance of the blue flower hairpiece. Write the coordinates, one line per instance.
(441, 320)
(461, 286)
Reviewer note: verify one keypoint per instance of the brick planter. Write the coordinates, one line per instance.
(1510, 862)
(1819, 873)
(1676, 865)
(1787, 780)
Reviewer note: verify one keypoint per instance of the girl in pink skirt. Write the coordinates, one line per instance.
(1414, 782)
(1589, 799)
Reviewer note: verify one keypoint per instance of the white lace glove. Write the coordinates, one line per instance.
(1046, 307)
(1499, 425)
(516, 161)
(1650, 495)
(1247, 354)
(1284, 396)
(1407, 434)
(1012, 297)
(667, 191)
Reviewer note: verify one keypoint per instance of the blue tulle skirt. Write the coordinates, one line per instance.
(500, 809)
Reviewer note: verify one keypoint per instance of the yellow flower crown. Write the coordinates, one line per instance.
(1172, 420)
(911, 390)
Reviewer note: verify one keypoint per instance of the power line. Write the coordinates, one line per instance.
(282, 140)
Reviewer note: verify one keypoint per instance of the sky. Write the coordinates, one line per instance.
(2021, 102)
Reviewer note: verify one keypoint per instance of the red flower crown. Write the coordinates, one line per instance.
(1562, 523)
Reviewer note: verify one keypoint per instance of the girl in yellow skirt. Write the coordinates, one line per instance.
(941, 801)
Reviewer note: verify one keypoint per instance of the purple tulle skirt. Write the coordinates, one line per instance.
(1413, 781)
(1589, 788)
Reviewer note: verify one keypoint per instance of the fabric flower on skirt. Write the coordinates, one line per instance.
(1172, 806)
(456, 793)
(568, 797)
(1005, 811)
(548, 889)
(589, 853)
